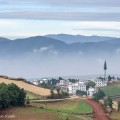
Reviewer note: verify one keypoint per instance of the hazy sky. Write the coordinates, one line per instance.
(23, 18)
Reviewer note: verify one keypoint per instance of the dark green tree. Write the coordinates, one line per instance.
(109, 102)
(60, 78)
(109, 78)
(14, 93)
(21, 97)
(119, 105)
(27, 101)
(58, 91)
(81, 93)
(4, 96)
(105, 102)
(52, 93)
(11, 95)
(90, 84)
(99, 95)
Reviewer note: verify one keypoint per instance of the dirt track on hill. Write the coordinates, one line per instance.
(99, 113)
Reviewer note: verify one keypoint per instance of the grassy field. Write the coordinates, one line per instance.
(33, 96)
(115, 116)
(28, 87)
(67, 106)
(65, 110)
(112, 90)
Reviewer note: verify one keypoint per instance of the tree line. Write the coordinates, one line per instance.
(11, 95)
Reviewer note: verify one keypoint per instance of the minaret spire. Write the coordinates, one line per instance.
(105, 69)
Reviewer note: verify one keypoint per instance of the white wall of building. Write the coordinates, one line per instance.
(91, 91)
(73, 87)
(100, 82)
(35, 82)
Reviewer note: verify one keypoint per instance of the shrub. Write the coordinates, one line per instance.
(11, 95)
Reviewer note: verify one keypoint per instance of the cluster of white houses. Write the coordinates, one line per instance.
(71, 88)
(37, 82)
(81, 85)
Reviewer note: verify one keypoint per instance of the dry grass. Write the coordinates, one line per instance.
(28, 87)
(115, 116)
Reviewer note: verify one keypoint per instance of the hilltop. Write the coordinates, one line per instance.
(78, 38)
(28, 87)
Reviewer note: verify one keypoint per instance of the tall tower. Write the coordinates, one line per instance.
(105, 69)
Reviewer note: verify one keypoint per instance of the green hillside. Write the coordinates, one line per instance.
(112, 90)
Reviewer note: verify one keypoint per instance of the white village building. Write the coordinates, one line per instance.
(91, 91)
(35, 82)
(43, 80)
(73, 87)
(100, 82)
(64, 85)
(64, 82)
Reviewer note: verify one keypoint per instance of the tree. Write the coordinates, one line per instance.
(58, 91)
(27, 101)
(119, 105)
(99, 95)
(21, 97)
(11, 95)
(14, 93)
(81, 93)
(44, 85)
(52, 93)
(64, 94)
(60, 78)
(73, 80)
(4, 96)
(105, 102)
(108, 102)
(101, 78)
(90, 84)
(109, 78)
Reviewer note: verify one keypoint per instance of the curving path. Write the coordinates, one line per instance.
(99, 113)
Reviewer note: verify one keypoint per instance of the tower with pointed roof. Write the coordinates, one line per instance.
(105, 69)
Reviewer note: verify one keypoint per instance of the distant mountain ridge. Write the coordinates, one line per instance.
(78, 38)
(49, 46)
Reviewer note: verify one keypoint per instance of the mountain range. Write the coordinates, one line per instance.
(59, 45)
(42, 56)
(78, 38)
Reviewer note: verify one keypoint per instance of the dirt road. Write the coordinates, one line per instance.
(99, 113)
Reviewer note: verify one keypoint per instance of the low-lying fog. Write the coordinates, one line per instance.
(37, 66)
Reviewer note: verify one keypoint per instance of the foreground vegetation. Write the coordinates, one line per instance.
(64, 110)
(67, 106)
(11, 94)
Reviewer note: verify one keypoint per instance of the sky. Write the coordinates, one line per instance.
(24, 18)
